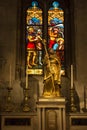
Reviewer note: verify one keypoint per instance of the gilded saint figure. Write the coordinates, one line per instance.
(52, 74)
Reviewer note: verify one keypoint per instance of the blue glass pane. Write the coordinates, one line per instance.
(34, 3)
(33, 21)
(34, 15)
(55, 4)
(55, 21)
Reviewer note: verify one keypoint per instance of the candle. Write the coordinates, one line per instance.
(10, 76)
(71, 76)
(26, 80)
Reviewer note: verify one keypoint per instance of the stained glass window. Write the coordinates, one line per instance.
(56, 31)
(33, 39)
(34, 33)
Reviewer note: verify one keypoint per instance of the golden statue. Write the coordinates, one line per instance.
(52, 74)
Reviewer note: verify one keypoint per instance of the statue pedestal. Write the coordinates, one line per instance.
(51, 113)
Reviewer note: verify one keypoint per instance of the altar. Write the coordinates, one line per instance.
(51, 113)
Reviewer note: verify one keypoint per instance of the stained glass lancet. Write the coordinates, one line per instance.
(56, 31)
(33, 39)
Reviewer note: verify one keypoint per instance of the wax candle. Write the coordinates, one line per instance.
(26, 80)
(10, 77)
(71, 76)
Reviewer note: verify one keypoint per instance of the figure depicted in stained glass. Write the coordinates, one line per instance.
(59, 48)
(52, 74)
(34, 47)
(39, 46)
(53, 33)
(61, 44)
(31, 57)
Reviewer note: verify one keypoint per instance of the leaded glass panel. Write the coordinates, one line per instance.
(33, 39)
(56, 31)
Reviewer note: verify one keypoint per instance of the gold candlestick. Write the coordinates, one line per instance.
(72, 90)
(26, 107)
(9, 106)
(72, 103)
(84, 97)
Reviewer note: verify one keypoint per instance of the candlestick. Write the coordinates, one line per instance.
(84, 97)
(71, 76)
(26, 107)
